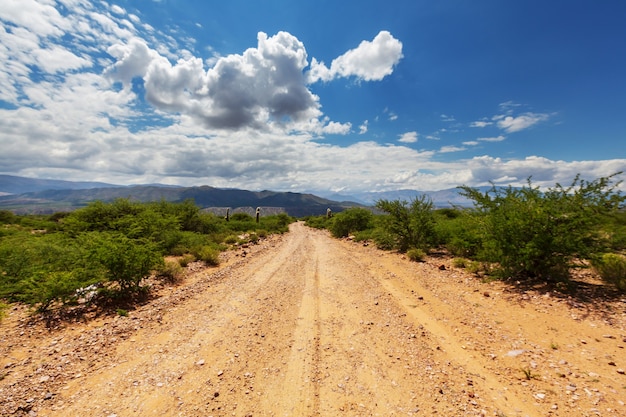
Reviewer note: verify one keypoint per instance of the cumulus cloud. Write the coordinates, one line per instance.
(263, 86)
(511, 124)
(245, 120)
(370, 61)
(408, 137)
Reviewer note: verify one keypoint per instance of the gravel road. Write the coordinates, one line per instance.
(307, 325)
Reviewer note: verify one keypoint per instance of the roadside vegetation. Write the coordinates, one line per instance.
(526, 234)
(106, 251)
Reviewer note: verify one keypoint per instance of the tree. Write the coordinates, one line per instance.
(531, 233)
(412, 224)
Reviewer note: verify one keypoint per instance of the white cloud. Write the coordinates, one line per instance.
(544, 172)
(450, 149)
(247, 121)
(447, 118)
(408, 137)
(471, 143)
(264, 86)
(370, 61)
(480, 123)
(493, 139)
(511, 124)
(117, 9)
(363, 127)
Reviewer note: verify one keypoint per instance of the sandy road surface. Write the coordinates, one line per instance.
(312, 326)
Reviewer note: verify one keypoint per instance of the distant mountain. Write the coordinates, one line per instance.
(10, 184)
(53, 200)
(442, 198)
(28, 195)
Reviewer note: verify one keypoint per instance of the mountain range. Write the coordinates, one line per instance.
(29, 195)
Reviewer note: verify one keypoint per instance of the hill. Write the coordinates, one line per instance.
(54, 200)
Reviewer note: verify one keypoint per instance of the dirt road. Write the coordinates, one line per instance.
(306, 325)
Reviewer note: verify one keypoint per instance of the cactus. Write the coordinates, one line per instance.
(329, 213)
(228, 214)
(258, 213)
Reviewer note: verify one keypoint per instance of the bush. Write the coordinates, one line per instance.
(231, 239)
(612, 268)
(126, 261)
(186, 260)
(459, 262)
(460, 233)
(3, 310)
(42, 269)
(171, 271)
(349, 221)
(416, 255)
(411, 224)
(317, 222)
(207, 254)
(531, 233)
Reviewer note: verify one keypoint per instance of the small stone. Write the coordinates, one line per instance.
(220, 373)
(486, 294)
(216, 394)
(608, 336)
(612, 363)
(540, 396)
(442, 267)
(200, 362)
(620, 371)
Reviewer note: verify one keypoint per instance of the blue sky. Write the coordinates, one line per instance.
(320, 96)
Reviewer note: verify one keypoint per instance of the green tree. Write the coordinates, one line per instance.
(531, 233)
(411, 224)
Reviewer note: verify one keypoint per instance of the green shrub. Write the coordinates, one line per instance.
(207, 254)
(3, 310)
(126, 261)
(612, 268)
(532, 233)
(460, 233)
(349, 221)
(416, 255)
(412, 224)
(459, 262)
(317, 222)
(171, 271)
(186, 259)
(231, 239)
(383, 238)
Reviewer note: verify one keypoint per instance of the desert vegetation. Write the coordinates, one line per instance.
(105, 251)
(520, 233)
